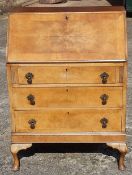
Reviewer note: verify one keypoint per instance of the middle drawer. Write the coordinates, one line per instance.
(84, 96)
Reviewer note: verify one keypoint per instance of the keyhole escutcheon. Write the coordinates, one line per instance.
(66, 17)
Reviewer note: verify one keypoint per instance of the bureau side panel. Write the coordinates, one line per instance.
(125, 79)
(9, 81)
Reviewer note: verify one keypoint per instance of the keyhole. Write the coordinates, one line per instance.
(66, 69)
(66, 17)
(67, 90)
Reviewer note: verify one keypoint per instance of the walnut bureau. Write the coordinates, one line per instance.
(67, 77)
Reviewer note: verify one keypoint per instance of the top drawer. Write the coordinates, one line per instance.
(67, 35)
(90, 73)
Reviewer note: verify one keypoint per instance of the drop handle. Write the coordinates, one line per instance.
(31, 99)
(104, 76)
(104, 99)
(32, 123)
(104, 122)
(29, 76)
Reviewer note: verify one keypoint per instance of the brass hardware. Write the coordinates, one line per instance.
(29, 76)
(104, 77)
(31, 98)
(104, 122)
(104, 99)
(32, 123)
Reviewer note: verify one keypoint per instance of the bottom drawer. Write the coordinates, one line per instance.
(68, 120)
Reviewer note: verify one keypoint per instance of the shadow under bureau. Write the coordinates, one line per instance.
(67, 76)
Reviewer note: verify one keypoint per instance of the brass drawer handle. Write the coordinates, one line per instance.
(104, 76)
(31, 98)
(32, 123)
(104, 122)
(104, 99)
(29, 76)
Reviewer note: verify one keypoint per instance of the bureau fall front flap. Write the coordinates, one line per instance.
(67, 35)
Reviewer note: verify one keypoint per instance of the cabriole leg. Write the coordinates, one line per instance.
(15, 148)
(122, 148)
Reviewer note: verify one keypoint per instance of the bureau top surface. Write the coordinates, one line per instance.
(67, 9)
(67, 34)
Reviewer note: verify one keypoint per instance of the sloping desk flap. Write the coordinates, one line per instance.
(67, 34)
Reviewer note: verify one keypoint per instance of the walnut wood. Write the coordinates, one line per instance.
(67, 97)
(64, 73)
(66, 85)
(100, 9)
(16, 163)
(15, 148)
(68, 120)
(60, 67)
(68, 73)
(73, 36)
(91, 137)
(125, 80)
(122, 148)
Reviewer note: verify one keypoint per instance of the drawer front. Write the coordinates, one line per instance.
(67, 36)
(67, 97)
(68, 120)
(80, 73)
